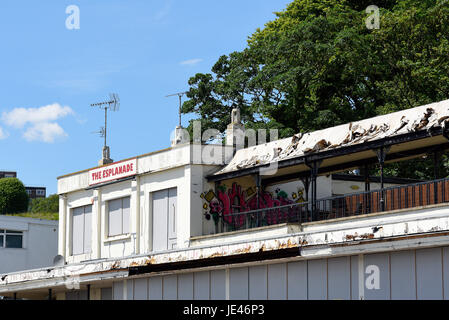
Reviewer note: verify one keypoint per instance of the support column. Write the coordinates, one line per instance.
(306, 182)
(381, 155)
(62, 236)
(314, 166)
(49, 294)
(258, 181)
(88, 292)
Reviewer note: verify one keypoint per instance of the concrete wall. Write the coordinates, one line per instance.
(411, 275)
(40, 244)
(168, 169)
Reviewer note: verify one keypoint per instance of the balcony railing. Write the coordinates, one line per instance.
(392, 198)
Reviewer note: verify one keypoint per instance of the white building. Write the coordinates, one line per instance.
(27, 243)
(198, 222)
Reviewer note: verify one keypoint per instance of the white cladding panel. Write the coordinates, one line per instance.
(408, 275)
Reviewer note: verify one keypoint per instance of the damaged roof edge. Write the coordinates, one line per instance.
(345, 150)
(322, 143)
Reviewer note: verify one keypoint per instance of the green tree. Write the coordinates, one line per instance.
(317, 65)
(45, 205)
(13, 196)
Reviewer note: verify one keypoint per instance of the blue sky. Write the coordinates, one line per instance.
(140, 49)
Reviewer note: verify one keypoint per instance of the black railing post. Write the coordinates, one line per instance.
(381, 155)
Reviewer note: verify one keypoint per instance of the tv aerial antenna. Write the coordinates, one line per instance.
(179, 94)
(112, 104)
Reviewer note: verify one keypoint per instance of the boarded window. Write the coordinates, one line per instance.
(118, 216)
(164, 219)
(81, 230)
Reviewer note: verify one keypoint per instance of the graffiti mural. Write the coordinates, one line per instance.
(227, 203)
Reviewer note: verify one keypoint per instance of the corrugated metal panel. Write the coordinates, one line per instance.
(429, 274)
(446, 273)
(117, 290)
(185, 286)
(339, 278)
(155, 288)
(71, 295)
(297, 280)
(106, 293)
(277, 281)
(201, 286)
(258, 282)
(336, 278)
(238, 284)
(403, 286)
(355, 277)
(129, 289)
(141, 289)
(317, 279)
(218, 284)
(170, 289)
(382, 262)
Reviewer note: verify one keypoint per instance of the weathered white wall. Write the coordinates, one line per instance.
(157, 171)
(40, 244)
(324, 187)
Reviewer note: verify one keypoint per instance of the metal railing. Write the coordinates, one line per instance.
(391, 198)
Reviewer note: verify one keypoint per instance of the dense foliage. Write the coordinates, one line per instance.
(317, 65)
(45, 205)
(13, 196)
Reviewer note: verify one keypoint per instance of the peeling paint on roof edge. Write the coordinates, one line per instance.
(411, 120)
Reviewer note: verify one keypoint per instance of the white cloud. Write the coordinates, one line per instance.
(3, 134)
(19, 117)
(44, 131)
(40, 122)
(191, 62)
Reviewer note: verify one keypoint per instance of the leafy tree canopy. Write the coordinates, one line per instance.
(45, 205)
(13, 196)
(317, 65)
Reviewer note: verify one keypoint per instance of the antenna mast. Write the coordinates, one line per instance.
(113, 105)
(179, 94)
